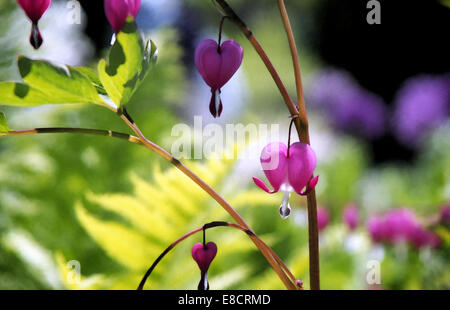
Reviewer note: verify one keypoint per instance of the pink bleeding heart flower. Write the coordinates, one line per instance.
(34, 10)
(217, 65)
(289, 170)
(117, 12)
(323, 218)
(351, 216)
(204, 255)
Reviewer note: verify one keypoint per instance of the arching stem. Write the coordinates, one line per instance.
(184, 237)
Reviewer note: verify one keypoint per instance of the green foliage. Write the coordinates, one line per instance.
(42, 176)
(47, 83)
(127, 64)
(4, 127)
(154, 216)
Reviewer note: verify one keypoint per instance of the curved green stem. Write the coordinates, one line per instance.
(96, 132)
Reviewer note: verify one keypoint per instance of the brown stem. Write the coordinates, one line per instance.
(314, 266)
(301, 123)
(272, 259)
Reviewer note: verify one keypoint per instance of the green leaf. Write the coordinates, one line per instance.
(127, 64)
(48, 83)
(93, 77)
(4, 127)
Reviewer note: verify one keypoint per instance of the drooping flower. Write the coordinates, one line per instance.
(323, 218)
(351, 216)
(204, 255)
(117, 12)
(217, 65)
(289, 170)
(34, 10)
(421, 105)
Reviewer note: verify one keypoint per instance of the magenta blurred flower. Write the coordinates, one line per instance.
(347, 106)
(217, 66)
(421, 105)
(400, 225)
(445, 214)
(288, 170)
(203, 256)
(323, 218)
(117, 12)
(375, 226)
(34, 10)
(351, 216)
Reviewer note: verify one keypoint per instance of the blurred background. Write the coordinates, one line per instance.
(378, 98)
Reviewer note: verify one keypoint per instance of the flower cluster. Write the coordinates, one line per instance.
(401, 225)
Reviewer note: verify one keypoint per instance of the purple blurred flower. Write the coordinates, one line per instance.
(445, 214)
(347, 105)
(422, 104)
(323, 218)
(400, 225)
(351, 216)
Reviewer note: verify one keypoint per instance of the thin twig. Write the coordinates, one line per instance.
(96, 132)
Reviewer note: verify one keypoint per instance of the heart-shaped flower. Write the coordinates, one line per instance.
(204, 255)
(117, 12)
(288, 169)
(217, 65)
(34, 10)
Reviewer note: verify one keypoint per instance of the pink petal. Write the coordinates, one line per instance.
(301, 165)
(262, 185)
(232, 55)
(274, 163)
(117, 12)
(134, 7)
(208, 61)
(311, 185)
(34, 8)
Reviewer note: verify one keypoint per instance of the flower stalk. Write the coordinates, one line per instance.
(301, 122)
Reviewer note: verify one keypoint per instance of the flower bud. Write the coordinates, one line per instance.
(117, 12)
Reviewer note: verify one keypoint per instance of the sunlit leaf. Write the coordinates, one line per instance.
(47, 83)
(127, 64)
